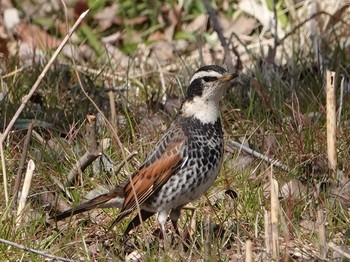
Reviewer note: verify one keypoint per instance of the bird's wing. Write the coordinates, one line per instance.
(153, 175)
(163, 161)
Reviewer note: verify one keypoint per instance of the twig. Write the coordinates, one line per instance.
(271, 54)
(41, 253)
(321, 234)
(112, 106)
(248, 150)
(267, 228)
(22, 163)
(92, 152)
(4, 175)
(292, 31)
(331, 123)
(287, 35)
(91, 133)
(18, 70)
(217, 28)
(275, 34)
(200, 48)
(248, 251)
(314, 35)
(193, 224)
(82, 164)
(207, 238)
(291, 9)
(26, 98)
(25, 190)
(274, 215)
(341, 98)
(121, 164)
(338, 249)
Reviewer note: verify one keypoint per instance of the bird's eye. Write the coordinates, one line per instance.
(209, 78)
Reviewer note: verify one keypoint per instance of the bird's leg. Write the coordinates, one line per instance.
(174, 217)
(138, 220)
(162, 218)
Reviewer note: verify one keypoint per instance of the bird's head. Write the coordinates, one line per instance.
(206, 88)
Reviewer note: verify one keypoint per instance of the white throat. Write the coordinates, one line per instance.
(205, 111)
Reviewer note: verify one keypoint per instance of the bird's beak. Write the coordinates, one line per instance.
(228, 77)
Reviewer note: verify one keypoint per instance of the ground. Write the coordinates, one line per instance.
(115, 88)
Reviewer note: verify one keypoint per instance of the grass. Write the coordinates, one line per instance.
(278, 110)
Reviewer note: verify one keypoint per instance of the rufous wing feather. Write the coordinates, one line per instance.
(149, 178)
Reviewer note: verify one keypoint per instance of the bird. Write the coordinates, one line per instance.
(183, 164)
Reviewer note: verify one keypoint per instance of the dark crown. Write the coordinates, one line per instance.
(204, 74)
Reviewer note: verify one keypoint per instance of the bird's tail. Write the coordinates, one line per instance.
(113, 198)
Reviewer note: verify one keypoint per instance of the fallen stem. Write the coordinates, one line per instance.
(339, 250)
(82, 164)
(41, 253)
(248, 150)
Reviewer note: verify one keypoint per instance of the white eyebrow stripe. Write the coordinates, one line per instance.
(201, 74)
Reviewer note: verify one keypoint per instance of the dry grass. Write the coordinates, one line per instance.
(279, 110)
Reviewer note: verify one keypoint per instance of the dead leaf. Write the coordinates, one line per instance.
(94, 249)
(308, 225)
(80, 7)
(173, 16)
(198, 25)
(11, 18)
(118, 57)
(162, 51)
(134, 21)
(152, 124)
(106, 17)
(36, 37)
(258, 11)
(242, 25)
(156, 36)
(241, 162)
(171, 106)
(270, 144)
(28, 55)
(293, 190)
(49, 201)
(113, 38)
